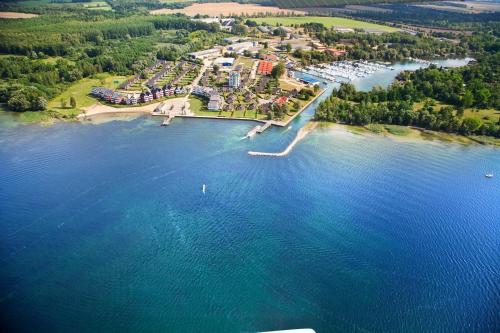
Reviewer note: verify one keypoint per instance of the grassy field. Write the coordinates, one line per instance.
(245, 62)
(94, 4)
(198, 107)
(80, 91)
(328, 22)
(97, 5)
(485, 115)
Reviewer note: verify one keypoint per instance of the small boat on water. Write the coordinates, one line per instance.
(489, 175)
(203, 188)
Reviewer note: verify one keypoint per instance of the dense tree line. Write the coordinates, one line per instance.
(411, 14)
(392, 46)
(346, 105)
(326, 3)
(313, 57)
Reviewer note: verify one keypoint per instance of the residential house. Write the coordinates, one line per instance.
(157, 93)
(180, 90)
(168, 90)
(146, 97)
(270, 57)
(203, 91)
(216, 102)
(281, 100)
(131, 99)
(117, 98)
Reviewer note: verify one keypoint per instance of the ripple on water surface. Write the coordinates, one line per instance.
(105, 227)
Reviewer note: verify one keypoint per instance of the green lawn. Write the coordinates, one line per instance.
(245, 62)
(198, 107)
(486, 115)
(81, 89)
(53, 60)
(328, 22)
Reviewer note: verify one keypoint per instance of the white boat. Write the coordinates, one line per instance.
(489, 175)
(203, 188)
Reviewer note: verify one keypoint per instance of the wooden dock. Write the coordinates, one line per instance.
(259, 129)
(253, 131)
(264, 127)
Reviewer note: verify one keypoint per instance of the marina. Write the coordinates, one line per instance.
(344, 71)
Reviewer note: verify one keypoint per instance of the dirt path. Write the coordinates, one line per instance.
(16, 15)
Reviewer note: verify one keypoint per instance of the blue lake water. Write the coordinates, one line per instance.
(105, 228)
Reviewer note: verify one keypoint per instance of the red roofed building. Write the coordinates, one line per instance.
(265, 68)
(281, 100)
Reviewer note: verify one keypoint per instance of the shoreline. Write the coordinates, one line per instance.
(286, 123)
(415, 134)
(102, 109)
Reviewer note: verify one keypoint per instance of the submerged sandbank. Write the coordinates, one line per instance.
(412, 134)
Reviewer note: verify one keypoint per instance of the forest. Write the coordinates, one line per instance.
(326, 3)
(391, 46)
(410, 14)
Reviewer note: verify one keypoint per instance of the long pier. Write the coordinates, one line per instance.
(300, 135)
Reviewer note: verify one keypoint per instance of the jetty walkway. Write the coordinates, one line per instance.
(300, 135)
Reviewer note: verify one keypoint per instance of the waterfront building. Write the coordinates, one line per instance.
(131, 99)
(168, 90)
(215, 102)
(117, 98)
(157, 93)
(146, 97)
